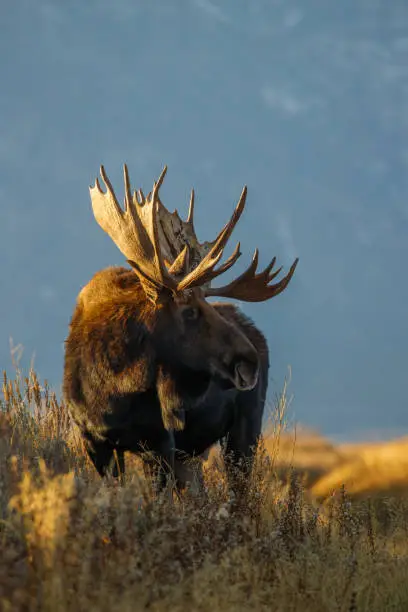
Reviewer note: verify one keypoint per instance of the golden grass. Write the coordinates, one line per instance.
(69, 541)
(366, 468)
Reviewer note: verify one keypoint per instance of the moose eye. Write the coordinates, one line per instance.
(191, 314)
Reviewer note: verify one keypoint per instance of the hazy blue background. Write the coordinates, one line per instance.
(305, 103)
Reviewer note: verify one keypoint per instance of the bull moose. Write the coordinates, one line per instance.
(150, 366)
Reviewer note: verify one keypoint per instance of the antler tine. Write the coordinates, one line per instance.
(204, 272)
(106, 209)
(158, 184)
(252, 287)
(140, 196)
(190, 218)
(180, 266)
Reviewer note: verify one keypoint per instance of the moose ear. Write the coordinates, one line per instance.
(155, 292)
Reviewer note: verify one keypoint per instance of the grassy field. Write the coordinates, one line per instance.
(324, 528)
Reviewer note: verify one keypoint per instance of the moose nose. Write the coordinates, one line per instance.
(246, 373)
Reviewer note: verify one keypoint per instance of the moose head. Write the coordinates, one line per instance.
(175, 273)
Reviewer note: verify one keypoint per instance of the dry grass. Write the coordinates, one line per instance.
(69, 541)
(380, 467)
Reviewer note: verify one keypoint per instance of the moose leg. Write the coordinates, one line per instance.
(158, 471)
(189, 472)
(240, 443)
(158, 464)
(238, 454)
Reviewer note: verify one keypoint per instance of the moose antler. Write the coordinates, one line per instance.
(134, 230)
(252, 287)
(165, 252)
